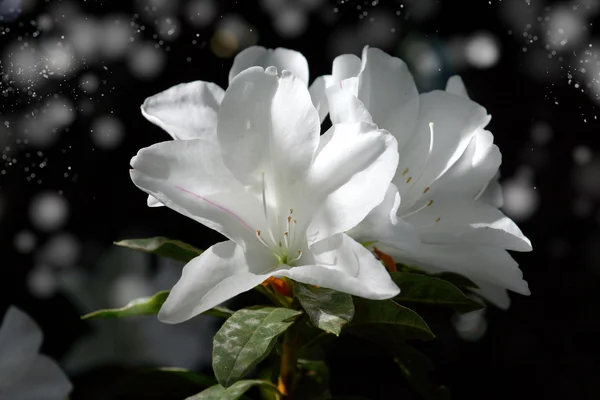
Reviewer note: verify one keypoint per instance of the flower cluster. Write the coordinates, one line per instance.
(399, 174)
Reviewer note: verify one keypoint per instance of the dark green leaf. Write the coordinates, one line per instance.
(424, 289)
(456, 279)
(233, 392)
(385, 314)
(163, 247)
(327, 309)
(149, 306)
(246, 338)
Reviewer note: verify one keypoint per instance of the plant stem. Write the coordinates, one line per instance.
(288, 363)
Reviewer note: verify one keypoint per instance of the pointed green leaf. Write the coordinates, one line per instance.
(233, 392)
(327, 309)
(387, 315)
(456, 279)
(246, 338)
(423, 289)
(163, 247)
(149, 306)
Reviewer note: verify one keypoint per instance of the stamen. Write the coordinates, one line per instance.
(405, 172)
(296, 258)
(426, 190)
(285, 240)
(409, 179)
(438, 219)
(261, 239)
(429, 203)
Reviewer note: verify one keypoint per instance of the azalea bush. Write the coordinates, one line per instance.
(342, 230)
(347, 205)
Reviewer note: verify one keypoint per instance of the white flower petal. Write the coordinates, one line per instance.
(217, 275)
(455, 219)
(346, 266)
(267, 123)
(479, 263)
(189, 177)
(387, 89)
(345, 107)
(153, 202)
(44, 380)
(382, 225)
(318, 95)
(473, 170)
(455, 119)
(345, 66)
(455, 85)
(186, 111)
(349, 177)
(280, 58)
(495, 294)
(492, 193)
(20, 341)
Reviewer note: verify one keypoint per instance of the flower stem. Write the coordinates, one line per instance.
(288, 363)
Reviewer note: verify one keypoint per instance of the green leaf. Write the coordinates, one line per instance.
(423, 289)
(163, 247)
(327, 309)
(390, 316)
(149, 306)
(456, 279)
(246, 338)
(233, 392)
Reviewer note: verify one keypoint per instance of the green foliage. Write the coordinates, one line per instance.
(246, 338)
(313, 380)
(387, 315)
(424, 289)
(327, 309)
(419, 372)
(149, 306)
(233, 392)
(163, 247)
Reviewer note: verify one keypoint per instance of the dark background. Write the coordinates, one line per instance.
(542, 95)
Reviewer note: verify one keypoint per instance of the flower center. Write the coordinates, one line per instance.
(281, 244)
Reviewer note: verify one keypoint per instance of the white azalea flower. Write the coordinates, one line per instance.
(441, 211)
(24, 373)
(282, 194)
(189, 110)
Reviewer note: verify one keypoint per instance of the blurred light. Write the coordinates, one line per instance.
(89, 82)
(84, 35)
(582, 155)
(565, 28)
(62, 251)
(107, 132)
(41, 282)
(25, 241)
(114, 33)
(9, 10)
(586, 178)
(145, 61)
(232, 35)
(582, 207)
(423, 57)
(421, 10)
(40, 126)
(470, 326)
(129, 287)
(168, 28)
(379, 29)
(45, 22)
(290, 22)
(48, 211)
(482, 50)
(541, 133)
(57, 57)
(20, 64)
(520, 198)
(201, 13)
